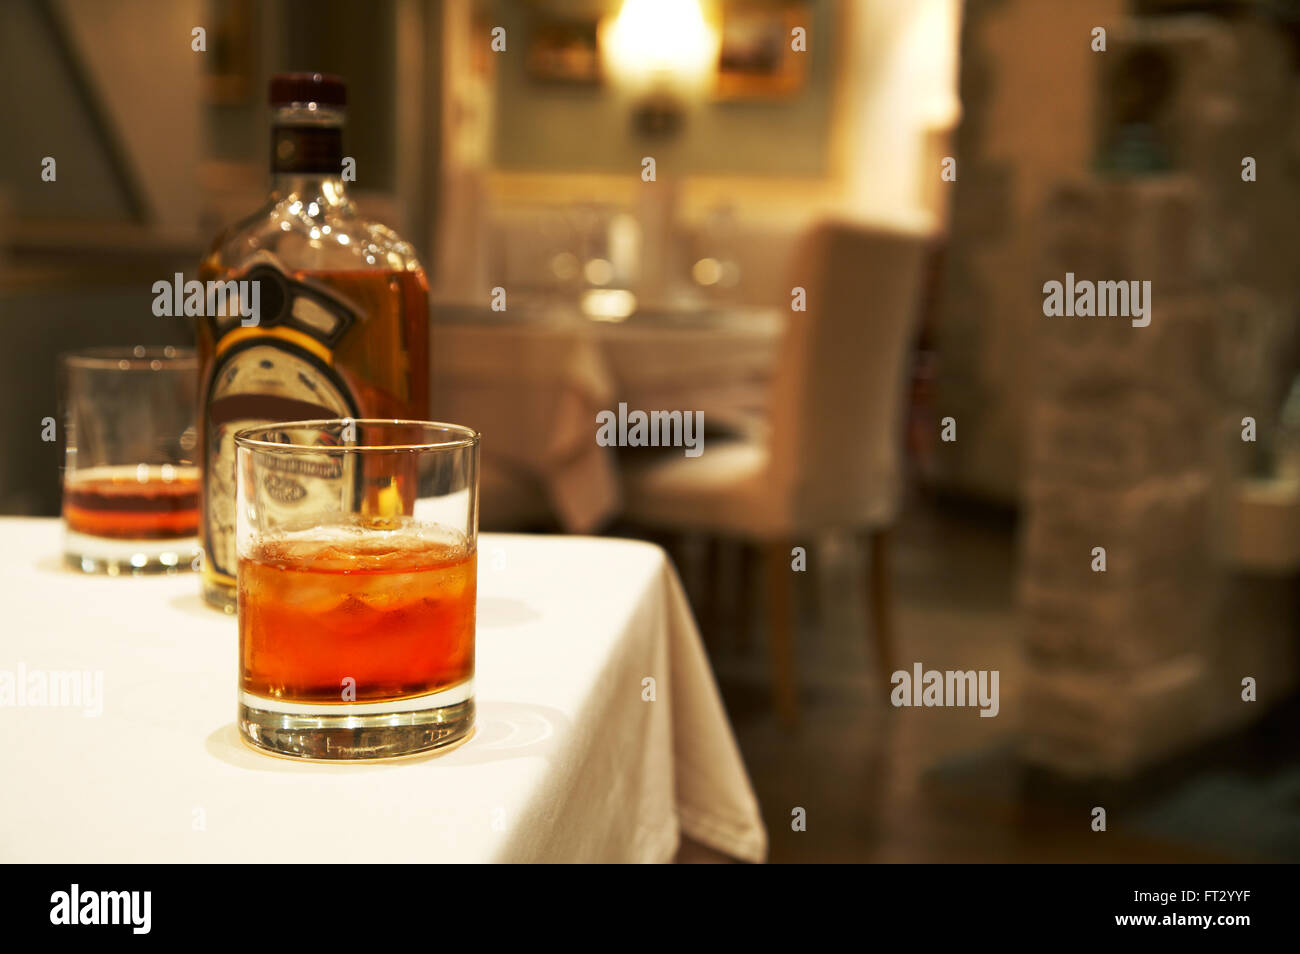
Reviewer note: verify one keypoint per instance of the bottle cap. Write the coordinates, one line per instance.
(320, 88)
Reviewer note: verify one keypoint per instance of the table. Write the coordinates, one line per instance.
(532, 379)
(568, 762)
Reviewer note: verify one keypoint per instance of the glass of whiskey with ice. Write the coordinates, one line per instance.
(130, 482)
(356, 582)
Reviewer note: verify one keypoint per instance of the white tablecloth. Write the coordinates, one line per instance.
(532, 382)
(534, 394)
(568, 762)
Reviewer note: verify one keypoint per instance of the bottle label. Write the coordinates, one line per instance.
(280, 370)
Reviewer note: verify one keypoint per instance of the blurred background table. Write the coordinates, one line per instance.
(569, 762)
(533, 378)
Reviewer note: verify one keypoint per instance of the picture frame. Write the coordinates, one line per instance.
(756, 60)
(565, 51)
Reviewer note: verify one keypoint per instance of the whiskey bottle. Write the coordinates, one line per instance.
(342, 321)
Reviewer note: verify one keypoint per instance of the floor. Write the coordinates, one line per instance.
(882, 784)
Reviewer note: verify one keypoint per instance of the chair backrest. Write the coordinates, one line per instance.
(838, 394)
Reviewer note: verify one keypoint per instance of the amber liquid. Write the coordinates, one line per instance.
(116, 503)
(389, 615)
(383, 359)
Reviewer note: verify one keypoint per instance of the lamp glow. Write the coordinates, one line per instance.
(661, 43)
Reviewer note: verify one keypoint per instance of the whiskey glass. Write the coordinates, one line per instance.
(357, 581)
(130, 484)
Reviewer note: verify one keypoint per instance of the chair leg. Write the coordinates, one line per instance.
(748, 615)
(880, 601)
(711, 596)
(785, 691)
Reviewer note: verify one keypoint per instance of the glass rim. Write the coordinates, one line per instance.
(247, 438)
(138, 357)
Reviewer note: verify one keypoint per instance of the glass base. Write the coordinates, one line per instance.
(357, 731)
(221, 596)
(126, 557)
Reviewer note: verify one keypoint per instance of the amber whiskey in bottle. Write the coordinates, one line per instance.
(342, 320)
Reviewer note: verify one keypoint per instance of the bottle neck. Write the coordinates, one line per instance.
(307, 150)
(324, 191)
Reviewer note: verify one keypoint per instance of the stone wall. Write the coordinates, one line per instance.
(1120, 456)
(1028, 102)
(1133, 440)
